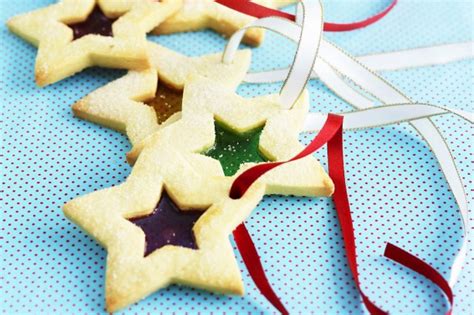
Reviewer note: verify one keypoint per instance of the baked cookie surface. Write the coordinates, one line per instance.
(177, 163)
(210, 105)
(141, 102)
(200, 14)
(73, 35)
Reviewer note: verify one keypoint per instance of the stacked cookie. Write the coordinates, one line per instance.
(170, 221)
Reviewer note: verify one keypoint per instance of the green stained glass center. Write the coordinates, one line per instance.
(233, 149)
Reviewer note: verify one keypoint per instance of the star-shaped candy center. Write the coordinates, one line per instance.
(168, 225)
(166, 102)
(96, 23)
(232, 149)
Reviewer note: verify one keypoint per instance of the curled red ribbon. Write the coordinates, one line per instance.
(331, 133)
(259, 11)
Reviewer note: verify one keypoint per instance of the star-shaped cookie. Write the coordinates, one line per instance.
(175, 160)
(200, 14)
(72, 35)
(141, 102)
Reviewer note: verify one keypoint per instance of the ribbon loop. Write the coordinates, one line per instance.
(332, 62)
(309, 36)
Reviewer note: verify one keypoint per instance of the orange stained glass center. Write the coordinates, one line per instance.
(166, 102)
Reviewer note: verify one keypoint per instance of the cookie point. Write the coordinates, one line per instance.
(68, 209)
(78, 107)
(9, 23)
(41, 78)
(111, 304)
(114, 301)
(239, 289)
(329, 185)
(132, 156)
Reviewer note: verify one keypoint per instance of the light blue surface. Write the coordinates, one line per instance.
(396, 189)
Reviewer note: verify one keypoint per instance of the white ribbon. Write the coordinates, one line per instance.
(309, 35)
(395, 60)
(387, 94)
(333, 66)
(383, 115)
(418, 57)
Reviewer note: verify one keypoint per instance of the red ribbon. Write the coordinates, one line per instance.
(414, 263)
(331, 133)
(251, 259)
(259, 11)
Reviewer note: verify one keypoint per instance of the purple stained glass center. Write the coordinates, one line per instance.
(168, 225)
(96, 23)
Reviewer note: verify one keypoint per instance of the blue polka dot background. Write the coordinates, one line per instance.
(397, 191)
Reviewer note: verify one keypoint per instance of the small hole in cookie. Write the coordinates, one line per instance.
(166, 102)
(168, 225)
(96, 23)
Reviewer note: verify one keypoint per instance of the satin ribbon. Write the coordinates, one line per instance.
(419, 266)
(259, 11)
(330, 134)
(334, 67)
(384, 115)
(387, 61)
(418, 57)
(249, 254)
(310, 14)
(334, 63)
(383, 91)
